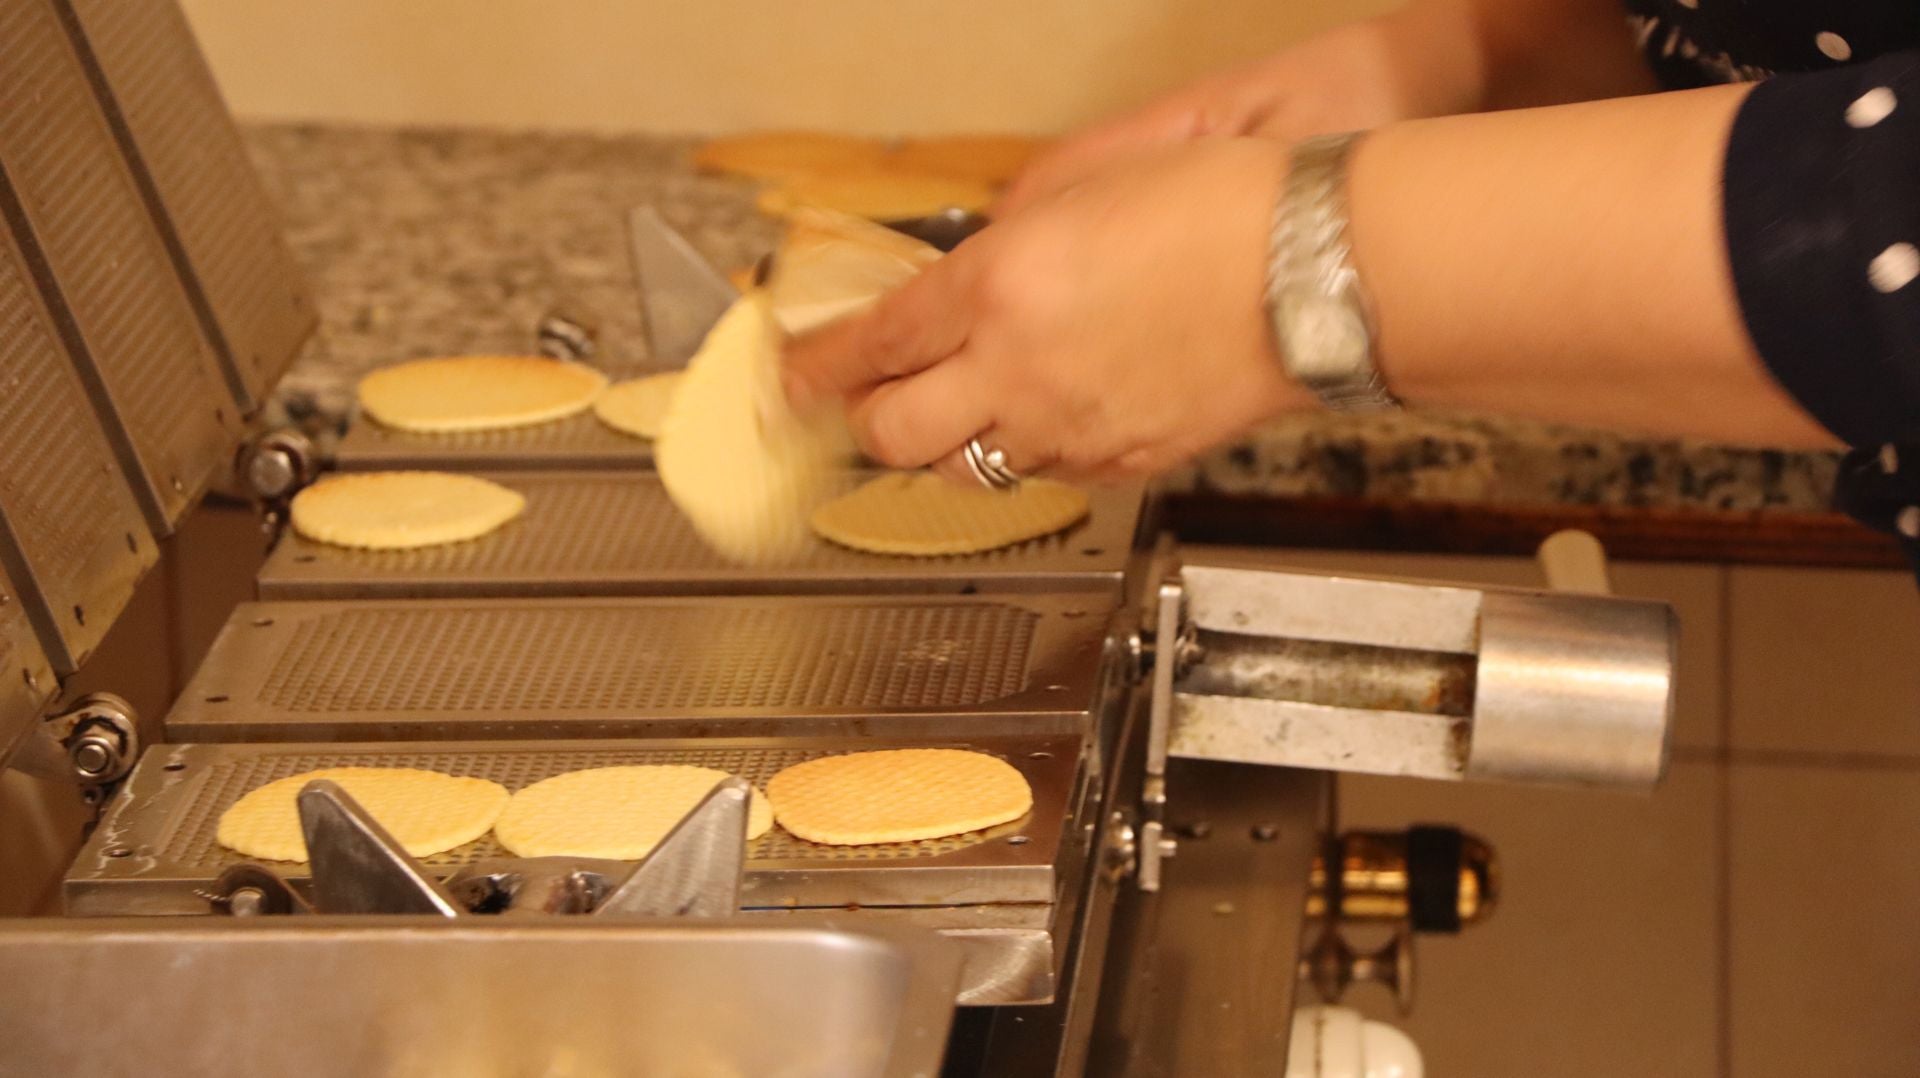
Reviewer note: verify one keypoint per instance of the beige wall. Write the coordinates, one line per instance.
(880, 66)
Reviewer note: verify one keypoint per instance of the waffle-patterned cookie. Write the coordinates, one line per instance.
(427, 812)
(897, 795)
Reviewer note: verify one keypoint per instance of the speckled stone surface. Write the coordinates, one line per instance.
(436, 242)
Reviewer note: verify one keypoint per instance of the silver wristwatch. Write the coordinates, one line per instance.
(1320, 318)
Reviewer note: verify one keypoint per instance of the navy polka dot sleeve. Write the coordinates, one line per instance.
(1822, 214)
(1822, 222)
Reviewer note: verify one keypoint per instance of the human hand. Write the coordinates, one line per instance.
(1350, 78)
(1109, 331)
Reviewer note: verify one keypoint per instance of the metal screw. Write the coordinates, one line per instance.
(94, 756)
(1196, 829)
(1266, 832)
(247, 902)
(272, 472)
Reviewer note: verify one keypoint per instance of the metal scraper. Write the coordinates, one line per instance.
(681, 295)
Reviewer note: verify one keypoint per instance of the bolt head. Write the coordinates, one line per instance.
(92, 757)
(271, 472)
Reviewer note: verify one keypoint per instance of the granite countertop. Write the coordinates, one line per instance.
(434, 242)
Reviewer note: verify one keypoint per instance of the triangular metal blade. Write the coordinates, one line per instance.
(681, 295)
(696, 869)
(357, 867)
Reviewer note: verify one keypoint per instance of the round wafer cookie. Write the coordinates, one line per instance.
(456, 393)
(877, 194)
(402, 510)
(638, 405)
(427, 812)
(897, 795)
(920, 514)
(787, 155)
(617, 813)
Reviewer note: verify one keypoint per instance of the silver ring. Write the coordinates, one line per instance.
(989, 466)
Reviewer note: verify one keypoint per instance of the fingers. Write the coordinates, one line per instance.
(1018, 455)
(911, 329)
(913, 422)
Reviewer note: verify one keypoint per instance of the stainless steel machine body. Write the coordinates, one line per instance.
(1421, 679)
(616, 533)
(484, 996)
(1148, 915)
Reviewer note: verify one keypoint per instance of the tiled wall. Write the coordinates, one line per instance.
(1758, 915)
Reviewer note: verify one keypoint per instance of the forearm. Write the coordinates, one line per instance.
(1566, 264)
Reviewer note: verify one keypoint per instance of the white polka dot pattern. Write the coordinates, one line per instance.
(1909, 522)
(1894, 268)
(1871, 107)
(1832, 45)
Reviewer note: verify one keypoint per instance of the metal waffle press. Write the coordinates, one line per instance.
(1176, 883)
(612, 533)
(541, 668)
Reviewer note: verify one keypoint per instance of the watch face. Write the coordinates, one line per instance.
(1324, 339)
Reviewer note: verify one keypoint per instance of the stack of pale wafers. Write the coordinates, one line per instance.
(870, 178)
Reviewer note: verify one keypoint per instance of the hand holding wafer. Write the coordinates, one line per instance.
(1110, 331)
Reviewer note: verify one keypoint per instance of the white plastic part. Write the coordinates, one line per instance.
(1335, 1042)
(1574, 561)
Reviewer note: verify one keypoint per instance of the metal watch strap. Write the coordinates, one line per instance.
(1320, 316)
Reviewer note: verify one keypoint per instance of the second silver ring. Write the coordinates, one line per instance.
(989, 466)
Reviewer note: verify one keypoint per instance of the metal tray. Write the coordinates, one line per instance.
(610, 533)
(155, 844)
(542, 668)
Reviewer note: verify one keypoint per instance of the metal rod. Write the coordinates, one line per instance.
(1356, 676)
